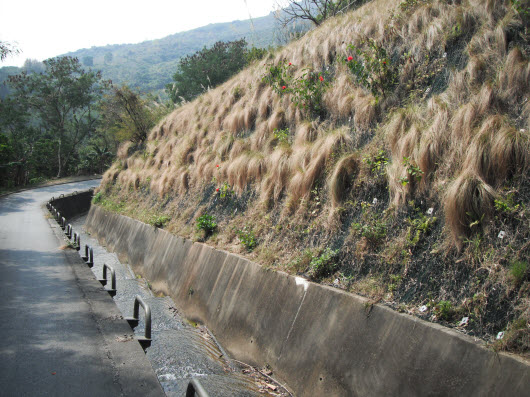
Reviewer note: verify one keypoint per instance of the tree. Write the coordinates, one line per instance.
(206, 68)
(63, 103)
(7, 49)
(316, 11)
(126, 115)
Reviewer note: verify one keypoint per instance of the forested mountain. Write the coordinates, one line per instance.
(149, 65)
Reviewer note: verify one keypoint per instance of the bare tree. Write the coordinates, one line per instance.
(316, 11)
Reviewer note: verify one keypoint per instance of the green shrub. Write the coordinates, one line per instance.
(247, 238)
(207, 223)
(518, 271)
(377, 163)
(372, 67)
(158, 220)
(97, 198)
(413, 170)
(307, 90)
(445, 310)
(373, 226)
(323, 265)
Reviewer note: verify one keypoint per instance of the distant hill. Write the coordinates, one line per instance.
(151, 64)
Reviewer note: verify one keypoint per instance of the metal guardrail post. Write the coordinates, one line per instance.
(63, 223)
(77, 241)
(90, 261)
(103, 281)
(85, 257)
(195, 389)
(69, 231)
(57, 216)
(133, 322)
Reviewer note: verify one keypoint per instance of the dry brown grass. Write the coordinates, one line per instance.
(465, 133)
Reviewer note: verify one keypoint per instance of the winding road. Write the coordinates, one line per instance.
(54, 337)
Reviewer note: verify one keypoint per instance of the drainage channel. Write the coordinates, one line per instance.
(179, 351)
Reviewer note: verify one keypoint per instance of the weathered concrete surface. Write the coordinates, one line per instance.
(69, 208)
(59, 332)
(318, 339)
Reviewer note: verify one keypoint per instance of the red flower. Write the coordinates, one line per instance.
(384, 62)
(350, 58)
(321, 78)
(217, 165)
(290, 63)
(283, 87)
(217, 189)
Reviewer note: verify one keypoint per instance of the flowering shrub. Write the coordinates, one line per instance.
(372, 68)
(306, 91)
(225, 190)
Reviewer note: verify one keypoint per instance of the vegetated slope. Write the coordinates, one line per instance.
(405, 179)
(151, 64)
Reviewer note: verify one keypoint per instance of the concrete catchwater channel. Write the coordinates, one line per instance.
(180, 350)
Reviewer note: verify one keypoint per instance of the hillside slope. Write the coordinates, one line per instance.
(397, 169)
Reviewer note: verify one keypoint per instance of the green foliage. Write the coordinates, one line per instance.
(206, 68)
(306, 91)
(518, 271)
(158, 220)
(206, 223)
(97, 198)
(225, 191)
(282, 136)
(129, 116)
(444, 310)
(373, 225)
(247, 238)
(255, 54)
(395, 280)
(49, 117)
(323, 265)
(506, 204)
(372, 68)
(419, 225)
(377, 163)
(522, 8)
(413, 170)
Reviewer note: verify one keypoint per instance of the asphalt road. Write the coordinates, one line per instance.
(51, 341)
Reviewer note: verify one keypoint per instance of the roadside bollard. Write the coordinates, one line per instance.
(85, 257)
(133, 321)
(90, 261)
(195, 389)
(103, 281)
(63, 223)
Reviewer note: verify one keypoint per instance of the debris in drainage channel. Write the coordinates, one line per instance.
(180, 350)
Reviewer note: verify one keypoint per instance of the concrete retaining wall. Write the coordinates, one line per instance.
(320, 340)
(73, 204)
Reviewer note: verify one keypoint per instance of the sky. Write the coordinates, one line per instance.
(43, 29)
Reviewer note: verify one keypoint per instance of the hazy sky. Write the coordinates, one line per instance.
(47, 28)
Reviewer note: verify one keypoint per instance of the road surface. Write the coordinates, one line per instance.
(54, 336)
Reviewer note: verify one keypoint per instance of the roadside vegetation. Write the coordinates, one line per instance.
(386, 153)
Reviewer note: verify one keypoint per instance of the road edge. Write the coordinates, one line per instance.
(133, 371)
